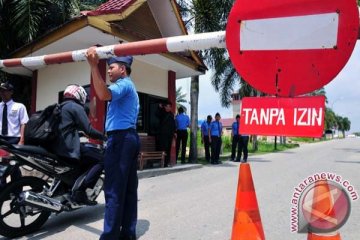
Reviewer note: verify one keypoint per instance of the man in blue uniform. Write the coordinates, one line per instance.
(215, 133)
(123, 145)
(205, 136)
(236, 140)
(182, 123)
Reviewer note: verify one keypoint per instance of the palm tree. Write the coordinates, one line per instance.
(204, 16)
(343, 124)
(21, 21)
(180, 98)
(330, 119)
(346, 124)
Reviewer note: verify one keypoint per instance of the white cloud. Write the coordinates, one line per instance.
(343, 92)
(209, 100)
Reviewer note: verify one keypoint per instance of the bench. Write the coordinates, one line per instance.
(148, 152)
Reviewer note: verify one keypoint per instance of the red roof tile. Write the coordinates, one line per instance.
(111, 6)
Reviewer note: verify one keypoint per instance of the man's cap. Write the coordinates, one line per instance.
(6, 86)
(126, 60)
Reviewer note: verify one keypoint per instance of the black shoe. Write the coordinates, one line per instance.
(127, 238)
(237, 160)
(80, 197)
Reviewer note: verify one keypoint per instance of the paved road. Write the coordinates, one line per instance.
(199, 204)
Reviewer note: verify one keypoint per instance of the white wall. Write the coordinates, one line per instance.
(149, 79)
(54, 78)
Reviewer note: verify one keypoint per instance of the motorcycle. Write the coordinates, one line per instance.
(26, 203)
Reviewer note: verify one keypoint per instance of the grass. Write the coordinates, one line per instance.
(263, 147)
(304, 139)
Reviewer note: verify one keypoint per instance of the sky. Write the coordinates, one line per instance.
(343, 93)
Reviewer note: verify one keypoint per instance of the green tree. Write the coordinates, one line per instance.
(21, 21)
(180, 98)
(206, 16)
(330, 119)
(343, 124)
(210, 16)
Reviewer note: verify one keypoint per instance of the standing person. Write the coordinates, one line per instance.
(12, 123)
(215, 133)
(236, 141)
(182, 123)
(67, 144)
(205, 136)
(166, 132)
(244, 141)
(123, 146)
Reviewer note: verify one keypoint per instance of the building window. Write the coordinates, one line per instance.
(147, 120)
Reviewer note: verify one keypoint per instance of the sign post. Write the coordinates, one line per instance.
(287, 48)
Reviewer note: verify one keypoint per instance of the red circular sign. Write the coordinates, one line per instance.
(291, 47)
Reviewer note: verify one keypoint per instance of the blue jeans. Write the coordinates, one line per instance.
(121, 184)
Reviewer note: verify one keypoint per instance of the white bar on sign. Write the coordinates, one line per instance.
(290, 33)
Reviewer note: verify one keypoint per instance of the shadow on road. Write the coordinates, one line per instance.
(80, 218)
(258, 160)
(354, 150)
(142, 227)
(348, 161)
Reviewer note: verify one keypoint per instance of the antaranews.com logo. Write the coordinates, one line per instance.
(321, 203)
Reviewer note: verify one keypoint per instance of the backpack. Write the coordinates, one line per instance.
(43, 127)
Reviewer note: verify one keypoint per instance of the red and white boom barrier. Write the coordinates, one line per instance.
(162, 45)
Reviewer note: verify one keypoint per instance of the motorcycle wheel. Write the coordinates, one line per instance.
(16, 218)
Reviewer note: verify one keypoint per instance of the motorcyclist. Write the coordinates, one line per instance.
(67, 145)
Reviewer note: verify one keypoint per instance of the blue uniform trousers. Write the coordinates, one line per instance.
(121, 184)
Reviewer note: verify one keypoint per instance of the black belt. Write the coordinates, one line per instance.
(109, 133)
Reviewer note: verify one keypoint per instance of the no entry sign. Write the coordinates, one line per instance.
(291, 47)
(301, 116)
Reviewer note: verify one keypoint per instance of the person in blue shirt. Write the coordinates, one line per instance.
(182, 123)
(123, 145)
(205, 136)
(235, 136)
(244, 141)
(215, 133)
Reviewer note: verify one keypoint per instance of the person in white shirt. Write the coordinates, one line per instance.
(13, 117)
(16, 116)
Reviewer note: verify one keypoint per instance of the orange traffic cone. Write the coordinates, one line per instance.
(323, 212)
(247, 222)
(313, 236)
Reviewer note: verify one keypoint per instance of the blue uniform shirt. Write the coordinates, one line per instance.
(216, 128)
(235, 128)
(123, 108)
(205, 128)
(182, 121)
